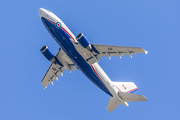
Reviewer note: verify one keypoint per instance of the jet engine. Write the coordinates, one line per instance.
(48, 55)
(85, 43)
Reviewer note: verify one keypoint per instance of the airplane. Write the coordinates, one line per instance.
(77, 53)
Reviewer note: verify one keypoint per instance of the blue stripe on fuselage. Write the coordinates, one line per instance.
(62, 38)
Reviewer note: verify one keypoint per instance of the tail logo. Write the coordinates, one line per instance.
(124, 86)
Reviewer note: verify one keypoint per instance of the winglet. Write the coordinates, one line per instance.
(146, 52)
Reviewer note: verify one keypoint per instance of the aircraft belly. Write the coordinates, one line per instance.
(83, 65)
(63, 39)
(88, 71)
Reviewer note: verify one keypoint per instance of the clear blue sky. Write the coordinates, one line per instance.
(153, 25)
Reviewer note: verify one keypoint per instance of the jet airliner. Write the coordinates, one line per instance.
(77, 53)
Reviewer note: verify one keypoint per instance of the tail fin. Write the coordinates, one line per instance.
(129, 97)
(128, 87)
(125, 95)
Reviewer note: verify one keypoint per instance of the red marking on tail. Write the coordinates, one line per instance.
(124, 86)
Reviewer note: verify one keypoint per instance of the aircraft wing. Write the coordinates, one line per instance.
(55, 70)
(108, 50)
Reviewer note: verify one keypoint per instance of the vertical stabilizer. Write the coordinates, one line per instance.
(128, 87)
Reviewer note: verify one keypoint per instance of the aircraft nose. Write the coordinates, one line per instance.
(41, 12)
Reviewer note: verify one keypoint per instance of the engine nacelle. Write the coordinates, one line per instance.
(85, 43)
(48, 55)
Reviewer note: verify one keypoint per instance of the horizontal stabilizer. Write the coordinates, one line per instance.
(129, 97)
(112, 104)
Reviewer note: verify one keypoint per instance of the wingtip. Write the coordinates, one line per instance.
(146, 52)
(145, 99)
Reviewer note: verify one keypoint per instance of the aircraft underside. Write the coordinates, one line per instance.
(77, 53)
(63, 39)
